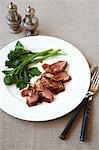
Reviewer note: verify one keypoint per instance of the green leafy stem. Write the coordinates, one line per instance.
(19, 62)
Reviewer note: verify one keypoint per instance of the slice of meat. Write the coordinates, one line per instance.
(62, 76)
(24, 93)
(28, 92)
(47, 95)
(56, 67)
(45, 82)
(48, 75)
(32, 100)
(54, 86)
(57, 87)
(38, 85)
(44, 93)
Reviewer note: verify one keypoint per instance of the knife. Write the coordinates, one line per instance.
(76, 110)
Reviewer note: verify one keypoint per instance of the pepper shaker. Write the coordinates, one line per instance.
(30, 22)
(13, 19)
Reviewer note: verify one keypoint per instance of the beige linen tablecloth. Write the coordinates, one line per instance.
(76, 21)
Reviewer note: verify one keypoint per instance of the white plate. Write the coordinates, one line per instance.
(10, 99)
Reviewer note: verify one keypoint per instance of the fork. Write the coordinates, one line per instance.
(87, 100)
(92, 90)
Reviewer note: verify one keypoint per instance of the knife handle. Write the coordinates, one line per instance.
(86, 115)
(72, 119)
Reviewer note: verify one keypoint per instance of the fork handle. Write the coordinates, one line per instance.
(86, 115)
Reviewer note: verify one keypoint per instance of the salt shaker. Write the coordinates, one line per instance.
(30, 22)
(13, 19)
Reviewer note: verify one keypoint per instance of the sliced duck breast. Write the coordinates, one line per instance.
(47, 95)
(32, 100)
(56, 67)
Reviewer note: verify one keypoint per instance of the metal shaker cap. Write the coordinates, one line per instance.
(12, 6)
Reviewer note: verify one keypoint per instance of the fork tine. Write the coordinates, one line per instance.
(93, 76)
(95, 80)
